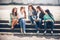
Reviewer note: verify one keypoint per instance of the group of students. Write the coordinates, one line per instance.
(37, 16)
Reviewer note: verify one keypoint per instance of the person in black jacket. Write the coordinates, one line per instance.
(40, 14)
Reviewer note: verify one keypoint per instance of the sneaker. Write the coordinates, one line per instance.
(52, 32)
(21, 30)
(45, 32)
(12, 27)
(24, 32)
(37, 31)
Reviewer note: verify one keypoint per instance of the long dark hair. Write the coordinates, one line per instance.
(24, 11)
(49, 13)
(31, 7)
(34, 11)
(22, 8)
(38, 7)
(15, 12)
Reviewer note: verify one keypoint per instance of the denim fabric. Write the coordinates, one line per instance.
(38, 24)
(46, 24)
(31, 19)
(22, 24)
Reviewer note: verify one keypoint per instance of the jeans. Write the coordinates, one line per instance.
(46, 24)
(32, 18)
(38, 24)
(22, 24)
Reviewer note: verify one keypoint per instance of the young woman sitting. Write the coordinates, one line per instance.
(48, 21)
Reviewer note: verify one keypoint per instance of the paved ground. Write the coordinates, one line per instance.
(18, 37)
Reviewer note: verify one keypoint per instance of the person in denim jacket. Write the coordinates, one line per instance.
(32, 13)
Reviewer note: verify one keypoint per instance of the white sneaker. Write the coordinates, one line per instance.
(24, 32)
(44, 31)
(37, 31)
(52, 32)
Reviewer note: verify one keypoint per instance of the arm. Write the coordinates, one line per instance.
(25, 15)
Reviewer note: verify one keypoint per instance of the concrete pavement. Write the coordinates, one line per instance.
(18, 37)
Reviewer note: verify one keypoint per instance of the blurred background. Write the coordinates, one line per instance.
(7, 5)
(44, 2)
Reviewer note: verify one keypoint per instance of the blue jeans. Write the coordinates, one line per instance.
(31, 19)
(46, 24)
(22, 24)
(38, 24)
